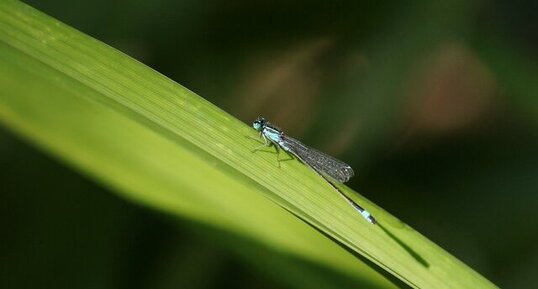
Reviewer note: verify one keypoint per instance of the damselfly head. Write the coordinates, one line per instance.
(259, 124)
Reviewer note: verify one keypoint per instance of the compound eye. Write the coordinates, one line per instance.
(256, 125)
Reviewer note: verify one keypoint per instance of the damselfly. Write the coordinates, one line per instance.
(324, 165)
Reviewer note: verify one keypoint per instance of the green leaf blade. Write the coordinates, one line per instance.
(159, 144)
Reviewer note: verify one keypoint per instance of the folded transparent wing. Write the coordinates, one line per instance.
(319, 161)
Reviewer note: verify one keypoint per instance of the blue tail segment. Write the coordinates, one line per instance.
(368, 217)
(365, 214)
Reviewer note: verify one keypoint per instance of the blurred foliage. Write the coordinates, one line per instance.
(437, 99)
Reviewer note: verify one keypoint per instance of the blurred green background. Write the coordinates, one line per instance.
(434, 104)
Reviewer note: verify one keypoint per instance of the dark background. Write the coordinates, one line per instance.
(434, 104)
